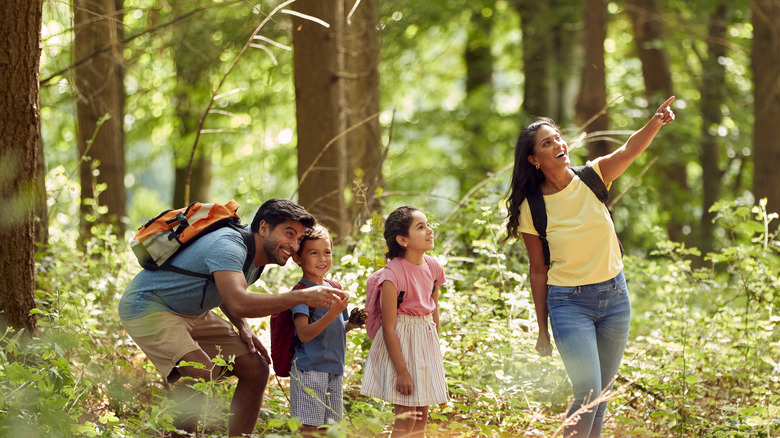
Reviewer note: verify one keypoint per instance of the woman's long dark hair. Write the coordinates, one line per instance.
(525, 178)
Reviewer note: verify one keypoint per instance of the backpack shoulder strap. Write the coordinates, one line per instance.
(592, 179)
(300, 285)
(335, 284)
(434, 267)
(539, 217)
(400, 275)
(249, 241)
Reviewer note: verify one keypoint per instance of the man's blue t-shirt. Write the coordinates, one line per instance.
(326, 352)
(157, 291)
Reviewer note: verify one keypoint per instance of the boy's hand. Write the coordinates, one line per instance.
(338, 306)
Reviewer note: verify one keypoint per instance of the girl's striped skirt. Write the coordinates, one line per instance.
(420, 349)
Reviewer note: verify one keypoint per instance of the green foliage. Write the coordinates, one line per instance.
(701, 360)
(704, 349)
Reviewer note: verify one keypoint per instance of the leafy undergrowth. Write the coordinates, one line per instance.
(703, 357)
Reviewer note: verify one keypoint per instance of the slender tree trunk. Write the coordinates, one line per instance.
(538, 57)
(567, 36)
(41, 208)
(100, 91)
(192, 63)
(479, 99)
(711, 91)
(20, 145)
(649, 29)
(200, 178)
(361, 88)
(766, 75)
(320, 106)
(591, 106)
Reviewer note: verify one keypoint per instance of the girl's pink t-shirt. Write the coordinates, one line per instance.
(418, 299)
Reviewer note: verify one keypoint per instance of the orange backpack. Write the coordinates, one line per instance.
(162, 237)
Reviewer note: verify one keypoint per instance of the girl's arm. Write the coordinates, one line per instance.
(614, 164)
(307, 332)
(538, 276)
(389, 313)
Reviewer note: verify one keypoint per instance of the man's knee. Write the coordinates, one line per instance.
(197, 365)
(252, 366)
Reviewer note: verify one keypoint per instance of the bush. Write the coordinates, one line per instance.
(702, 358)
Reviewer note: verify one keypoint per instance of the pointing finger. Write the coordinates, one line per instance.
(667, 103)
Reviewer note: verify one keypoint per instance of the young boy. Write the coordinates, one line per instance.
(318, 363)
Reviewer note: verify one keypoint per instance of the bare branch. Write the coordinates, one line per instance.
(306, 17)
(352, 11)
(45, 82)
(216, 91)
(330, 143)
(273, 43)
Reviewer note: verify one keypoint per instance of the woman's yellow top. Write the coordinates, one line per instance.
(583, 246)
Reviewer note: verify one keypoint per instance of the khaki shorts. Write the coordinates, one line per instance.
(165, 337)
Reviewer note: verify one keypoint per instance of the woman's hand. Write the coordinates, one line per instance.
(664, 114)
(543, 345)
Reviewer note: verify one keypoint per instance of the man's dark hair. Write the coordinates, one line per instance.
(277, 210)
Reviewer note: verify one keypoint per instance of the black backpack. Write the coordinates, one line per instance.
(539, 213)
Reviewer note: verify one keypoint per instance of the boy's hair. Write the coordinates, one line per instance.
(397, 224)
(275, 211)
(316, 232)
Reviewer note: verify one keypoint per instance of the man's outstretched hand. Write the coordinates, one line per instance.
(322, 296)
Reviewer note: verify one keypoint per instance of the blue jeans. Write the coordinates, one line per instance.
(590, 326)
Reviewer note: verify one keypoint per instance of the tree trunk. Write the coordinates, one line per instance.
(361, 89)
(320, 107)
(200, 178)
(192, 63)
(591, 106)
(567, 68)
(766, 75)
(479, 100)
(649, 28)
(551, 47)
(538, 57)
(20, 146)
(100, 92)
(711, 90)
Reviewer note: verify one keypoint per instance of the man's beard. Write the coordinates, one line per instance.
(271, 253)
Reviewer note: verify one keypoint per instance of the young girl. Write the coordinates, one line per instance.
(404, 365)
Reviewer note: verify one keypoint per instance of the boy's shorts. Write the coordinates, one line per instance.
(325, 405)
(165, 337)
